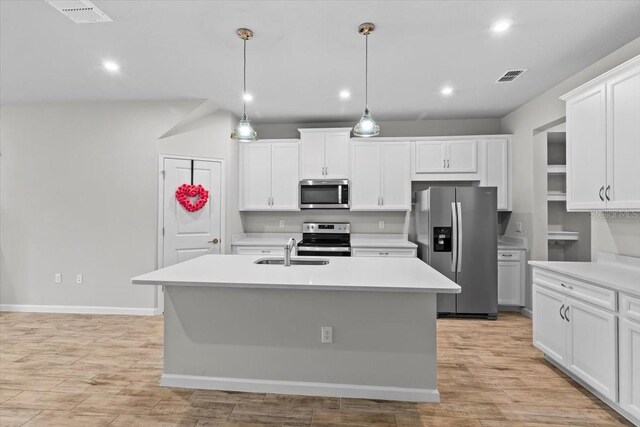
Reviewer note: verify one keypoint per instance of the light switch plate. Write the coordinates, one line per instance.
(327, 334)
(381, 225)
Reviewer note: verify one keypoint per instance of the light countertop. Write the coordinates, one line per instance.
(357, 240)
(609, 275)
(342, 273)
(264, 239)
(381, 241)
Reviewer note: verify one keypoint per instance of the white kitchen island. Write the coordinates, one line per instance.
(231, 324)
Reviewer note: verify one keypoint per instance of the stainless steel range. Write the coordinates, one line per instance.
(325, 239)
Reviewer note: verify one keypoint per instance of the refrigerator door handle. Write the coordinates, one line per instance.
(454, 237)
(459, 233)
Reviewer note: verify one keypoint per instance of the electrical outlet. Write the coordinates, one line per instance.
(327, 334)
(282, 223)
(381, 225)
(79, 278)
(518, 227)
(57, 278)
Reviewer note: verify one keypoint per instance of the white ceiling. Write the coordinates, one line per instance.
(305, 52)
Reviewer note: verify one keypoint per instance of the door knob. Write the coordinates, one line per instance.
(214, 241)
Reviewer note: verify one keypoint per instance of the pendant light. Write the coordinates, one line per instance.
(244, 132)
(366, 126)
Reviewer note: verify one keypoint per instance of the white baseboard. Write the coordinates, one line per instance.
(80, 309)
(303, 388)
(527, 312)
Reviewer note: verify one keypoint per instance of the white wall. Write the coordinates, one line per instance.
(537, 113)
(391, 128)
(78, 194)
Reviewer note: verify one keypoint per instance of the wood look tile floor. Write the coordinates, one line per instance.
(95, 370)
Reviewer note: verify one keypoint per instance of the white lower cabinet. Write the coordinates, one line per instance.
(549, 330)
(384, 252)
(593, 332)
(629, 334)
(579, 336)
(592, 345)
(511, 277)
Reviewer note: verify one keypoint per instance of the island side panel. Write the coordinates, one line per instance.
(380, 339)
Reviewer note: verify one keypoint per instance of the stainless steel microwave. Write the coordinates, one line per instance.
(324, 194)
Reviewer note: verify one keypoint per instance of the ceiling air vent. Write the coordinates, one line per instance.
(510, 75)
(80, 11)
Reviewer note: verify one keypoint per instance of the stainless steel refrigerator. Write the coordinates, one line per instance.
(456, 232)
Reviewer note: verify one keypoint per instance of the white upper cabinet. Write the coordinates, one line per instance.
(255, 176)
(497, 169)
(269, 175)
(284, 176)
(623, 141)
(324, 153)
(431, 156)
(462, 156)
(586, 151)
(380, 175)
(449, 156)
(603, 134)
(336, 154)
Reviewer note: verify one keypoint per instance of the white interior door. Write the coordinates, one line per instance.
(191, 234)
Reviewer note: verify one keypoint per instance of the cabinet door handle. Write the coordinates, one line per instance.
(566, 314)
(566, 286)
(561, 308)
(266, 252)
(606, 192)
(383, 253)
(507, 255)
(600, 193)
(448, 163)
(381, 200)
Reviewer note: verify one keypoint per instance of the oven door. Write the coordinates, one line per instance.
(323, 251)
(333, 194)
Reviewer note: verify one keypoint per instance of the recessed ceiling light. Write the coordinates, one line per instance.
(501, 26)
(247, 97)
(345, 94)
(446, 91)
(111, 66)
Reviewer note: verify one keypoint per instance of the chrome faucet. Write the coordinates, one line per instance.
(287, 251)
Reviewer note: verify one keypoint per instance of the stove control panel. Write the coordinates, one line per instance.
(326, 227)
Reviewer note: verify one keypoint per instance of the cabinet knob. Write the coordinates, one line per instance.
(214, 241)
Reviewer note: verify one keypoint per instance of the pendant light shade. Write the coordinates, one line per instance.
(244, 132)
(366, 126)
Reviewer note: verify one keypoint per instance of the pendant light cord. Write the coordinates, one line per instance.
(244, 82)
(366, 71)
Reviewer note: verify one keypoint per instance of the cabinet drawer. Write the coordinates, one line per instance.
(383, 252)
(257, 250)
(595, 295)
(509, 255)
(630, 307)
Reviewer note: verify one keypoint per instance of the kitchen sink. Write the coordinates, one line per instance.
(294, 261)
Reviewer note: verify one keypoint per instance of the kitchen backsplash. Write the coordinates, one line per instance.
(361, 222)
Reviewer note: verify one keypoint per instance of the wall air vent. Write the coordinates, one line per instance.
(79, 11)
(510, 75)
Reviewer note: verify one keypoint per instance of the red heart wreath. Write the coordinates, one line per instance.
(186, 191)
